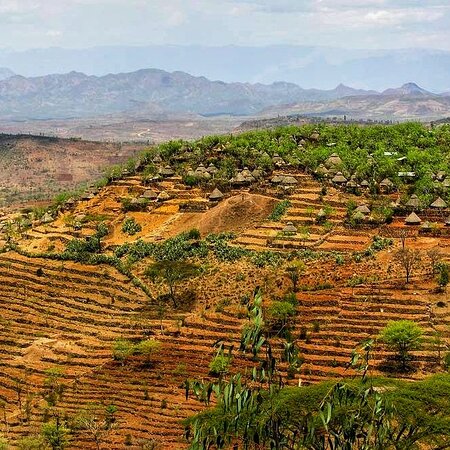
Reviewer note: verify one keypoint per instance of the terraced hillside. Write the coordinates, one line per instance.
(75, 282)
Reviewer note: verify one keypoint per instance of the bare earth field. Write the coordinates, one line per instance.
(124, 129)
(37, 168)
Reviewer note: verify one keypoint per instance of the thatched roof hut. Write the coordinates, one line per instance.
(215, 195)
(364, 209)
(321, 170)
(339, 178)
(387, 184)
(289, 181)
(365, 184)
(446, 183)
(157, 159)
(333, 160)
(150, 195)
(277, 179)
(440, 175)
(289, 228)
(413, 219)
(212, 169)
(413, 202)
(166, 171)
(352, 184)
(163, 196)
(439, 204)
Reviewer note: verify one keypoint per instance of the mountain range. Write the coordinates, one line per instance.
(157, 93)
(307, 66)
(5, 73)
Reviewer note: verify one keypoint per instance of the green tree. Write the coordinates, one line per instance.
(402, 336)
(56, 434)
(171, 273)
(443, 276)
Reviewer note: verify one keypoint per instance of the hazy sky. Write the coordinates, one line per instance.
(344, 23)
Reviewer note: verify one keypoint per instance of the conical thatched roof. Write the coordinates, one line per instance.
(440, 175)
(150, 195)
(426, 226)
(47, 218)
(239, 179)
(413, 201)
(200, 168)
(216, 195)
(247, 175)
(166, 171)
(288, 180)
(364, 184)
(212, 169)
(387, 183)
(413, 219)
(363, 209)
(446, 183)
(162, 196)
(333, 160)
(339, 178)
(289, 228)
(352, 184)
(439, 203)
(157, 159)
(322, 170)
(276, 179)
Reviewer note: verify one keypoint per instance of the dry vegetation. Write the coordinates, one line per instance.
(62, 314)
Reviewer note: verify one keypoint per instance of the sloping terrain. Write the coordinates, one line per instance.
(68, 315)
(38, 168)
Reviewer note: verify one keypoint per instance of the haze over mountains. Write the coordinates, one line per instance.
(318, 67)
(160, 94)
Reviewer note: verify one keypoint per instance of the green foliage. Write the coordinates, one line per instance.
(32, 443)
(56, 434)
(130, 226)
(402, 336)
(123, 349)
(279, 210)
(443, 275)
(219, 364)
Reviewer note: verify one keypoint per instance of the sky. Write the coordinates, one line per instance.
(374, 24)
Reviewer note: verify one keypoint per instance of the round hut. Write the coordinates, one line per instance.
(413, 219)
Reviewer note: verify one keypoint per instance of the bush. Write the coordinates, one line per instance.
(130, 226)
(402, 336)
(219, 365)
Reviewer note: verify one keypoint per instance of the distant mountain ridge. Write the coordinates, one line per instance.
(5, 73)
(152, 91)
(307, 66)
(157, 93)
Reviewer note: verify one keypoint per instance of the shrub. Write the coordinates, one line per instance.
(219, 365)
(130, 226)
(402, 336)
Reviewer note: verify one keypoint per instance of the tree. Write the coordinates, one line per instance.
(443, 276)
(97, 422)
(56, 434)
(402, 336)
(293, 271)
(171, 273)
(408, 259)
